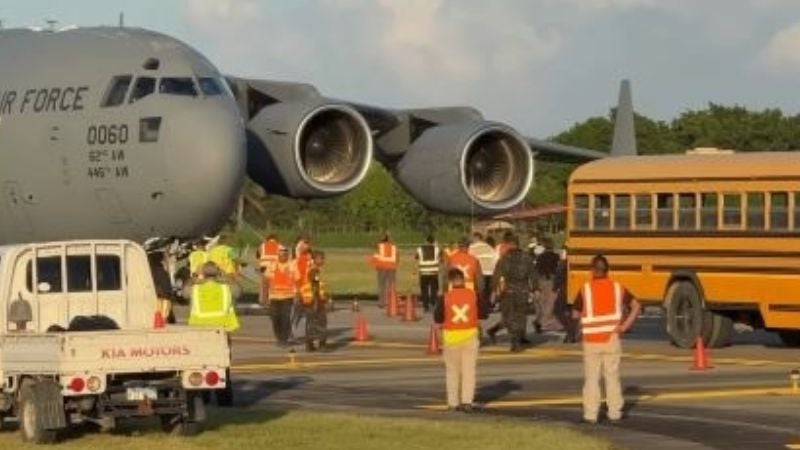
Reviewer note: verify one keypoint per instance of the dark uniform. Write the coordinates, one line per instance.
(514, 279)
(316, 312)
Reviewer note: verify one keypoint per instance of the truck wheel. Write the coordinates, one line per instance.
(189, 425)
(685, 314)
(31, 423)
(790, 338)
(225, 396)
(722, 331)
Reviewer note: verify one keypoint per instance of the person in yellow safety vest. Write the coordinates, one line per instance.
(212, 299)
(385, 262)
(282, 292)
(315, 303)
(601, 306)
(197, 258)
(223, 256)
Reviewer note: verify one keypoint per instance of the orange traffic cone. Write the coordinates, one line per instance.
(361, 334)
(158, 320)
(392, 309)
(411, 309)
(433, 341)
(701, 359)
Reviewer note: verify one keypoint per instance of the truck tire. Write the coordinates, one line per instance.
(225, 396)
(790, 338)
(686, 319)
(30, 412)
(722, 331)
(188, 425)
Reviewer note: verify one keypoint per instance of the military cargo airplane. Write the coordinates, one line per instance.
(114, 132)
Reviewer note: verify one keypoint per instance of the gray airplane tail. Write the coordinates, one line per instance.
(624, 143)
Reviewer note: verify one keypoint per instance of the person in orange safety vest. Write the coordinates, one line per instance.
(282, 292)
(458, 315)
(384, 260)
(600, 306)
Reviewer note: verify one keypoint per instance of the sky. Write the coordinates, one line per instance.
(539, 65)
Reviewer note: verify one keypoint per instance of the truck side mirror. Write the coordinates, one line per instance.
(43, 287)
(20, 313)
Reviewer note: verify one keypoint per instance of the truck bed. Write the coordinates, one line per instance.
(114, 351)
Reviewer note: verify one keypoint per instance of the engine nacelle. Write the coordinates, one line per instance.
(468, 168)
(309, 148)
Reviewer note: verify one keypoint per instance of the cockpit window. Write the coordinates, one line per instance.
(144, 86)
(177, 86)
(115, 95)
(210, 86)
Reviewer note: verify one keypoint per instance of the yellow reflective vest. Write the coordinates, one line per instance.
(222, 256)
(196, 260)
(212, 306)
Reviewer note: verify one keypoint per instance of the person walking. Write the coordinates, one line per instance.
(514, 280)
(267, 258)
(315, 303)
(385, 262)
(547, 262)
(458, 315)
(600, 305)
(487, 257)
(428, 259)
(469, 266)
(282, 292)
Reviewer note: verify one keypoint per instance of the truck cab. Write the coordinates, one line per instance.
(78, 343)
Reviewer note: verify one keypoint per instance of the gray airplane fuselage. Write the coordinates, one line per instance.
(80, 157)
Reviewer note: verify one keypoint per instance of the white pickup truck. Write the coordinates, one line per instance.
(78, 343)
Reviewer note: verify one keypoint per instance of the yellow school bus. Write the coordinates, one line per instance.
(714, 238)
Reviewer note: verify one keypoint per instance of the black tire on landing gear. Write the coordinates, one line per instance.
(32, 405)
(722, 331)
(790, 338)
(685, 315)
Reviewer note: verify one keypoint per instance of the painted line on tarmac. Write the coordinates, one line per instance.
(316, 364)
(649, 397)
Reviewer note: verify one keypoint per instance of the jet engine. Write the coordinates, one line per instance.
(475, 167)
(308, 148)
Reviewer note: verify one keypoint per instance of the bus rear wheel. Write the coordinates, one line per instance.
(685, 314)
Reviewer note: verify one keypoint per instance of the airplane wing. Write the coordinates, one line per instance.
(304, 145)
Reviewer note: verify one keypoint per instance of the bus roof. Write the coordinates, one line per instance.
(682, 167)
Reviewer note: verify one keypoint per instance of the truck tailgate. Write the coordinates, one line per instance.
(118, 351)
(172, 348)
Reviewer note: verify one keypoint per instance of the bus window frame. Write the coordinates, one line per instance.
(614, 210)
(721, 225)
(635, 208)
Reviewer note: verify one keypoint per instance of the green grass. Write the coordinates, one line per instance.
(251, 429)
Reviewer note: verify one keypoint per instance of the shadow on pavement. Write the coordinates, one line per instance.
(250, 392)
(497, 391)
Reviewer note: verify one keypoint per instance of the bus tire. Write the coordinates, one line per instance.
(790, 338)
(722, 331)
(685, 314)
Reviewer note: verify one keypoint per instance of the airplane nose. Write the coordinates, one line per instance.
(205, 164)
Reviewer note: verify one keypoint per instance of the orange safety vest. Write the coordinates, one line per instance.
(282, 285)
(602, 309)
(303, 263)
(268, 253)
(460, 310)
(386, 257)
(467, 264)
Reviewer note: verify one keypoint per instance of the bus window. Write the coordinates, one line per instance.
(144, 86)
(708, 211)
(755, 211)
(687, 212)
(644, 212)
(601, 212)
(796, 210)
(664, 211)
(731, 210)
(580, 213)
(622, 212)
(779, 211)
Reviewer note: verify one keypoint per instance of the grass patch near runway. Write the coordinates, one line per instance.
(252, 429)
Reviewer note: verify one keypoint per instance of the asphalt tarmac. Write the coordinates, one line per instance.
(746, 401)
